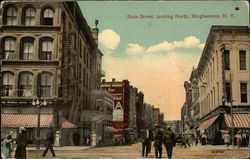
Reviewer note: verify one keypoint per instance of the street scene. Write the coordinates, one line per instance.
(124, 80)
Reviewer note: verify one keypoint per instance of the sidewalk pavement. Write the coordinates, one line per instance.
(63, 148)
(216, 147)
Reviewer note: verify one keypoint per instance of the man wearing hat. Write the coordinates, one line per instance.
(169, 140)
(21, 141)
(158, 142)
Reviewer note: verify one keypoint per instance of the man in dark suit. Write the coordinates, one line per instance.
(158, 142)
(146, 141)
(169, 140)
(49, 142)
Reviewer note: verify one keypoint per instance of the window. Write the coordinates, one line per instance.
(29, 16)
(8, 82)
(11, 16)
(228, 91)
(27, 49)
(47, 17)
(44, 86)
(9, 48)
(243, 92)
(46, 49)
(227, 60)
(25, 84)
(242, 60)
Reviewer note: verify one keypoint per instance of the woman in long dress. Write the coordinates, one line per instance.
(57, 139)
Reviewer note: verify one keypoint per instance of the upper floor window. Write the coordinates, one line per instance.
(47, 16)
(27, 48)
(243, 92)
(9, 48)
(242, 59)
(8, 82)
(29, 16)
(11, 16)
(228, 91)
(46, 49)
(226, 60)
(25, 84)
(44, 85)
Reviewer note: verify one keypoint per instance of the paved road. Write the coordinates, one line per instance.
(134, 152)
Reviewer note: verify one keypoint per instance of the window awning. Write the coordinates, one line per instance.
(240, 120)
(68, 125)
(27, 120)
(206, 124)
(112, 129)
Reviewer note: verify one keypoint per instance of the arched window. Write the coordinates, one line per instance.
(47, 16)
(8, 82)
(29, 16)
(11, 16)
(9, 48)
(25, 84)
(46, 49)
(44, 84)
(27, 48)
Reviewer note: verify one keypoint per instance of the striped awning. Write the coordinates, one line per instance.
(68, 125)
(27, 120)
(240, 120)
(206, 124)
(112, 129)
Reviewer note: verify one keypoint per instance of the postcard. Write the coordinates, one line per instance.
(125, 79)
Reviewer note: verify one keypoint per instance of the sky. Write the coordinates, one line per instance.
(155, 44)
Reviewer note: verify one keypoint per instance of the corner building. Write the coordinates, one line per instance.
(47, 53)
(223, 75)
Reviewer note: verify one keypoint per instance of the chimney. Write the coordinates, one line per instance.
(95, 31)
(113, 79)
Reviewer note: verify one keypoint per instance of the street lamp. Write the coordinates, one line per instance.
(38, 103)
(230, 104)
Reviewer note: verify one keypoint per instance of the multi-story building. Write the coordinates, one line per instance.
(132, 110)
(156, 114)
(120, 90)
(148, 119)
(139, 112)
(161, 119)
(223, 75)
(47, 53)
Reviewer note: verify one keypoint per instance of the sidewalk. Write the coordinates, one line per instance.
(63, 148)
(216, 147)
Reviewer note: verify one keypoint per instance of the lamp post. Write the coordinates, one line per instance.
(230, 104)
(38, 103)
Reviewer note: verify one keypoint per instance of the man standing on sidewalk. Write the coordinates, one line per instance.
(169, 141)
(49, 142)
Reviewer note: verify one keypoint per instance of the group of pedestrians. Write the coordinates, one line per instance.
(7, 145)
(162, 136)
(242, 139)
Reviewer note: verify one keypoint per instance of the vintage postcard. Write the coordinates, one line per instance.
(125, 79)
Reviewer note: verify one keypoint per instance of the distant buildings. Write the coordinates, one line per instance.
(221, 79)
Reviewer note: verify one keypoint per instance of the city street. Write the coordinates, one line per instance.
(134, 152)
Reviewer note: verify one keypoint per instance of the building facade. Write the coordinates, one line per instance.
(47, 53)
(223, 77)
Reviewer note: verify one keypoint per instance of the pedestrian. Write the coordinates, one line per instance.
(247, 136)
(49, 142)
(226, 138)
(7, 147)
(169, 141)
(158, 142)
(185, 141)
(244, 139)
(203, 139)
(21, 141)
(145, 141)
(238, 139)
(57, 140)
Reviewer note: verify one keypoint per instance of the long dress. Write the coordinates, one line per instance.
(57, 140)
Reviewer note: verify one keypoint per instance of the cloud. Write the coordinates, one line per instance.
(134, 49)
(109, 39)
(188, 42)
